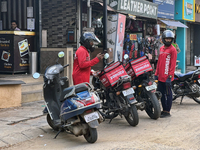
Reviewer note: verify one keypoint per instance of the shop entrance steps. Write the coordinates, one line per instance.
(32, 90)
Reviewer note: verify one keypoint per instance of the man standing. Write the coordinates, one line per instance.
(165, 71)
(14, 26)
(82, 63)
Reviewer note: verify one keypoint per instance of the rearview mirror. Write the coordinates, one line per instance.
(36, 75)
(61, 54)
(106, 56)
(126, 56)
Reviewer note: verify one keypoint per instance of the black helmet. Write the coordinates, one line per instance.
(167, 34)
(88, 37)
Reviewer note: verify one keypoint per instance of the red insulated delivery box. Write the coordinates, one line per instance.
(138, 67)
(110, 75)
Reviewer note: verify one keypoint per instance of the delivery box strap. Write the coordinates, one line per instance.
(114, 66)
(138, 60)
(146, 70)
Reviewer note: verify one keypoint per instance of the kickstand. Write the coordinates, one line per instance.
(58, 133)
(110, 120)
(181, 99)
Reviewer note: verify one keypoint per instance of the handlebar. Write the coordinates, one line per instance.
(65, 65)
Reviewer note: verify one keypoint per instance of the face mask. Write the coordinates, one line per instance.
(92, 48)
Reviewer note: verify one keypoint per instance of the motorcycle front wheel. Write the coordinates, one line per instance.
(51, 123)
(132, 117)
(152, 107)
(91, 136)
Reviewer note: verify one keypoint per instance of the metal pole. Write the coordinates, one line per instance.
(9, 14)
(105, 25)
(37, 10)
(19, 14)
(81, 26)
(104, 28)
(90, 16)
(25, 14)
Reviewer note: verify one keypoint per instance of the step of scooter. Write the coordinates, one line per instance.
(33, 86)
(32, 96)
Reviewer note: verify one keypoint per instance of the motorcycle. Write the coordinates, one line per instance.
(72, 109)
(186, 85)
(141, 71)
(114, 88)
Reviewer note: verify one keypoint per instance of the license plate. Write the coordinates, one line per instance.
(128, 91)
(92, 116)
(151, 87)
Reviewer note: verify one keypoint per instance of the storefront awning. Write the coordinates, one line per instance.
(174, 23)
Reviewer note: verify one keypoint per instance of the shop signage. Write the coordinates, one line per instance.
(135, 7)
(165, 8)
(189, 10)
(196, 61)
(133, 37)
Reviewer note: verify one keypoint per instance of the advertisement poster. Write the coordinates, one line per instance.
(189, 10)
(120, 37)
(23, 47)
(111, 33)
(115, 35)
(6, 53)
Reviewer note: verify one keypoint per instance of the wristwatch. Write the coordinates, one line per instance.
(170, 76)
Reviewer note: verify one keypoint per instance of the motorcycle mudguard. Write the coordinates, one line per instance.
(93, 124)
(68, 111)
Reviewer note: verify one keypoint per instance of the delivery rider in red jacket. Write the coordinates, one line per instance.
(165, 71)
(82, 63)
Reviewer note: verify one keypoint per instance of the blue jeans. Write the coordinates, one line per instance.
(166, 98)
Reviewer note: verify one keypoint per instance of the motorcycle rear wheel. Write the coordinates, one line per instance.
(196, 99)
(91, 136)
(132, 117)
(152, 106)
(51, 123)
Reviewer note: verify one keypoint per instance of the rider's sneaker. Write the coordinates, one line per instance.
(165, 114)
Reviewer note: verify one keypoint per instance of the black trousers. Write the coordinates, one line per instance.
(166, 98)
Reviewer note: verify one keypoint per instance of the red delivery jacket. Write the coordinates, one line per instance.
(166, 63)
(82, 66)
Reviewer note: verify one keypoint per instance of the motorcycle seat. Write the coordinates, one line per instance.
(72, 90)
(184, 76)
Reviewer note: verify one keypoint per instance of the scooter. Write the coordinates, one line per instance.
(73, 109)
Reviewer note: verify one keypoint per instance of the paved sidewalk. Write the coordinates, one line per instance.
(19, 124)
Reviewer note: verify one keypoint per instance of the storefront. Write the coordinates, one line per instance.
(184, 12)
(27, 14)
(194, 37)
(128, 29)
